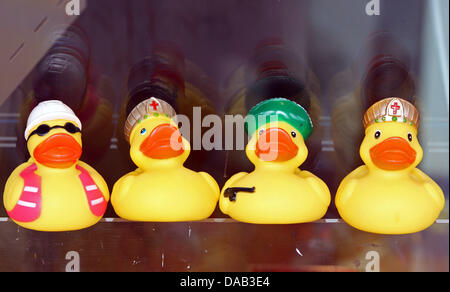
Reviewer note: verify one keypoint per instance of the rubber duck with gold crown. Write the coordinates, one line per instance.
(277, 191)
(161, 188)
(53, 190)
(388, 194)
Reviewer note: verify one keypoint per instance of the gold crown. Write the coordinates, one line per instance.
(149, 107)
(392, 109)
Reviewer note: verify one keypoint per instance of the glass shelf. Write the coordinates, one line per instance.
(222, 245)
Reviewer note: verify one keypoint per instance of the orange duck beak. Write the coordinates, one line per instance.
(394, 153)
(276, 145)
(58, 151)
(164, 142)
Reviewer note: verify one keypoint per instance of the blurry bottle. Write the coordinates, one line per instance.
(200, 92)
(159, 75)
(167, 75)
(63, 72)
(273, 71)
(381, 69)
(66, 73)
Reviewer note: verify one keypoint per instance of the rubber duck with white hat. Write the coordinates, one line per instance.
(54, 190)
(389, 195)
(161, 188)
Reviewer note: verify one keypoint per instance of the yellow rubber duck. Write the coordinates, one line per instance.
(277, 191)
(161, 188)
(54, 191)
(388, 194)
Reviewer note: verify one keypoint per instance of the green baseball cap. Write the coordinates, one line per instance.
(281, 110)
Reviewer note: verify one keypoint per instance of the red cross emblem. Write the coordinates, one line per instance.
(154, 104)
(395, 107)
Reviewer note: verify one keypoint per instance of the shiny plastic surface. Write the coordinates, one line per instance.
(54, 190)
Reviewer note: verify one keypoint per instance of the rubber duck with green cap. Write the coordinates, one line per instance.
(161, 188)
(277, 191)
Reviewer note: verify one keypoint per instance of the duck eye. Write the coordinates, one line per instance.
(377, 134)
(143, 131)
(42, 130)
(294, 134)
(71, 128)
(261, 131)
(410, 137)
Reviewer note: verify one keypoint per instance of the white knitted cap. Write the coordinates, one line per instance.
(50, 110)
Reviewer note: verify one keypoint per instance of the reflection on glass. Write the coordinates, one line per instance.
(166, 74)
(382, 69)
(273, 70)
(66, 73)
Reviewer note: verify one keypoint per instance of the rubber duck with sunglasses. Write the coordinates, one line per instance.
(54, 190)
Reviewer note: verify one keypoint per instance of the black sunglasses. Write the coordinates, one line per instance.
(43, 129)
